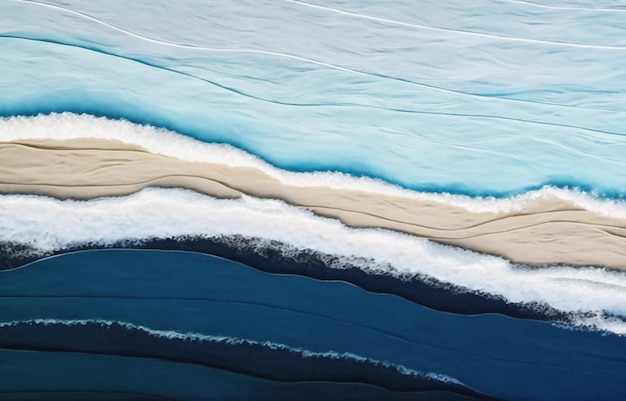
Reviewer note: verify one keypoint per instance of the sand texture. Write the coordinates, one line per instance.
(546, 231)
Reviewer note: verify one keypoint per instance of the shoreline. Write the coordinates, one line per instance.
(548, 231)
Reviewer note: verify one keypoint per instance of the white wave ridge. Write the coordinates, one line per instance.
(197, 337)
(48, 224)
(66, 126)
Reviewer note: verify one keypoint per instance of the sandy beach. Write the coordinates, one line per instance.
(547, 231)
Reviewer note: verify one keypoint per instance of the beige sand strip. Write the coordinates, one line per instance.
(548, 231)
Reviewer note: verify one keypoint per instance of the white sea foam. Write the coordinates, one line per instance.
(50, 224)
(164, 142)
(198, 337)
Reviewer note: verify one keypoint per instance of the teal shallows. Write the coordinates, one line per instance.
(479, 113)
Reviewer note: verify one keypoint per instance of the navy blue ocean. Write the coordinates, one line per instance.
(170, 294)
(279, 336)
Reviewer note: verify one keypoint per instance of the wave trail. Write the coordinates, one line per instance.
(192, 47)
(278, 372)
(69, 126)
(277, 258)
(351, 70)
(525, 236)
(456, 31)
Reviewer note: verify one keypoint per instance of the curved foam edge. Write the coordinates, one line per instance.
(63, 126)
(546, 231)
(178, 213)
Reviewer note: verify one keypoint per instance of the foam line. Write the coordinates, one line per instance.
(197, 337)
(160, 213)
(455, 31)
(65, 126)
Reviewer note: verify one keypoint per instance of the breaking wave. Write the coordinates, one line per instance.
(177, 213)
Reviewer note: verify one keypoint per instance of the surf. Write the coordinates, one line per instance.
(68, 126)
(177, 213)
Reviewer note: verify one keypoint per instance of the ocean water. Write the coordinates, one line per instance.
(428, 97)
(170, 294)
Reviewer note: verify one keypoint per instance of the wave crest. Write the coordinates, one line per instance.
(63, 126)
(157, 213)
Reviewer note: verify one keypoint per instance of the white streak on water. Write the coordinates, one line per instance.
(338, 11)
(609, 10)
(455, 31)
(192, 47)
(302, 116)
(197, 337)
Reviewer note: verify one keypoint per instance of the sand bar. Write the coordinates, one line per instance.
(547, 231)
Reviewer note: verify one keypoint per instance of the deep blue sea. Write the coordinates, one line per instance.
(272, 332)
(167, 294)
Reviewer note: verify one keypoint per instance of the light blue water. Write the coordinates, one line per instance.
(487, 98)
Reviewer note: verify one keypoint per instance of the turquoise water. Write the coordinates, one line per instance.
(493, 98)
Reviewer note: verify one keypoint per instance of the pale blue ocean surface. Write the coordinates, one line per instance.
(487, 98)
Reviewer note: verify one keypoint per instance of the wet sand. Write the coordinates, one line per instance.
(547, 231)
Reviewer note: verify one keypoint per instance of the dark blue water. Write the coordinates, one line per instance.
(197, 319)
(441, 97)
(424, 290)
